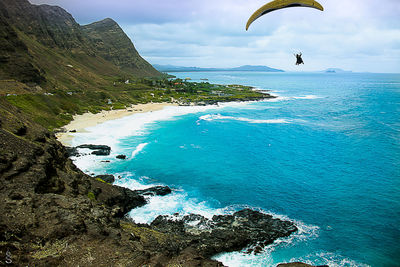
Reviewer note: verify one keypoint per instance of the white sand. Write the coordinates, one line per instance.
(81, 122)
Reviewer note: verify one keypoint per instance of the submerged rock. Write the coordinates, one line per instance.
(72, 151)
(94, 147)
(99, 150)
(155, 191)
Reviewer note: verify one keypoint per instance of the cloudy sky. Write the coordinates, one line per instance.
(358, 35)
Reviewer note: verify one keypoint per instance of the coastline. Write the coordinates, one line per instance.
(83, 121)
(192, 210)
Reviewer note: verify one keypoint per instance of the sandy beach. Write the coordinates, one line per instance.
(81, 122)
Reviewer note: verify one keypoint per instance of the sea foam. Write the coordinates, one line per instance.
(305, 232)
(139, 148)
(212, 117)
(329, 259)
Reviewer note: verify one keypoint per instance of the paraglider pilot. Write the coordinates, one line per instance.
(299, 60)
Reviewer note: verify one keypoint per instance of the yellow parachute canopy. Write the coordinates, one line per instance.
(279, 4)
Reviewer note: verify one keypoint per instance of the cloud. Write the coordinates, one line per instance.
(362, 35)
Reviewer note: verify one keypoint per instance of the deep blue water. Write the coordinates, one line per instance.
(325, 154)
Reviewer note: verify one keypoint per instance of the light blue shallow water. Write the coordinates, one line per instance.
(325, 154)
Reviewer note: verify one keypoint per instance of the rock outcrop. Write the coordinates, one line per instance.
(99, 150)
(155, 191)
(224, 233)
(108, 178)
(54, 214)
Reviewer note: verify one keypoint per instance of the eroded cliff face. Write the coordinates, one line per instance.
(53, 214)
(31, 34)
(111, 43)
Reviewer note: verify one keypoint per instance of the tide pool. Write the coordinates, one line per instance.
(324, 154)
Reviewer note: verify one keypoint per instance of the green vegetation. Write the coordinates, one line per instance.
(49, 249)
(91, 196)
(101, 180)
(55, 68)
(145, 234)
(56, 108)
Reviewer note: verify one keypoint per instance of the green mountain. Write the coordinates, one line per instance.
(51, 67)
(41, 43)
(172, 68)
(112, 44)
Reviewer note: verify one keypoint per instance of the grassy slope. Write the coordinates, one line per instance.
(90, 79)
(52, 68)
(77, 82)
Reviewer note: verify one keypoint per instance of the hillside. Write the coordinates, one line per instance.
(52, 68)
(111, 43)
(38, 28)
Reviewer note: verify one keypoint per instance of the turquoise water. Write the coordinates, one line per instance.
(325, 154)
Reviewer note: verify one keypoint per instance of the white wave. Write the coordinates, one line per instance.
(212, 117)
(240, 259)
(180, 202)
(330, 259)
(280, 98)
(91, 164)
(304, 232)
(176, 202)
(307, 97)
(110, 132)
(138, 149)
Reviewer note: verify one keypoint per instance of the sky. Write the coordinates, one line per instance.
(356, 35)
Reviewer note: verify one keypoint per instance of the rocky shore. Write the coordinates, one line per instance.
(55, 215)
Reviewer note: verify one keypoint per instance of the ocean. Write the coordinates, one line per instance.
(325, 154)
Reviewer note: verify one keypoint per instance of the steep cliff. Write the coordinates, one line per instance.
(33, 36)
(111, 43)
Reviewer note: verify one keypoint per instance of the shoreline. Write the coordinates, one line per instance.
(80, 122)
(86, 120)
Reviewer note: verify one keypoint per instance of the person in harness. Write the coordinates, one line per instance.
(299, 60)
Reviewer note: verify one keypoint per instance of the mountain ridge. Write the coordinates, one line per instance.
(172, 68)
(43, 27)
(112, 44)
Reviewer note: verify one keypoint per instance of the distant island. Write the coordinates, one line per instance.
(172, 68)
(336, 70)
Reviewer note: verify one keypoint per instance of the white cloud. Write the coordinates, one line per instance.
(361, 35)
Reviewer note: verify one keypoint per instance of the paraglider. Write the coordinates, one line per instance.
(299, 60)
(279, 4)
